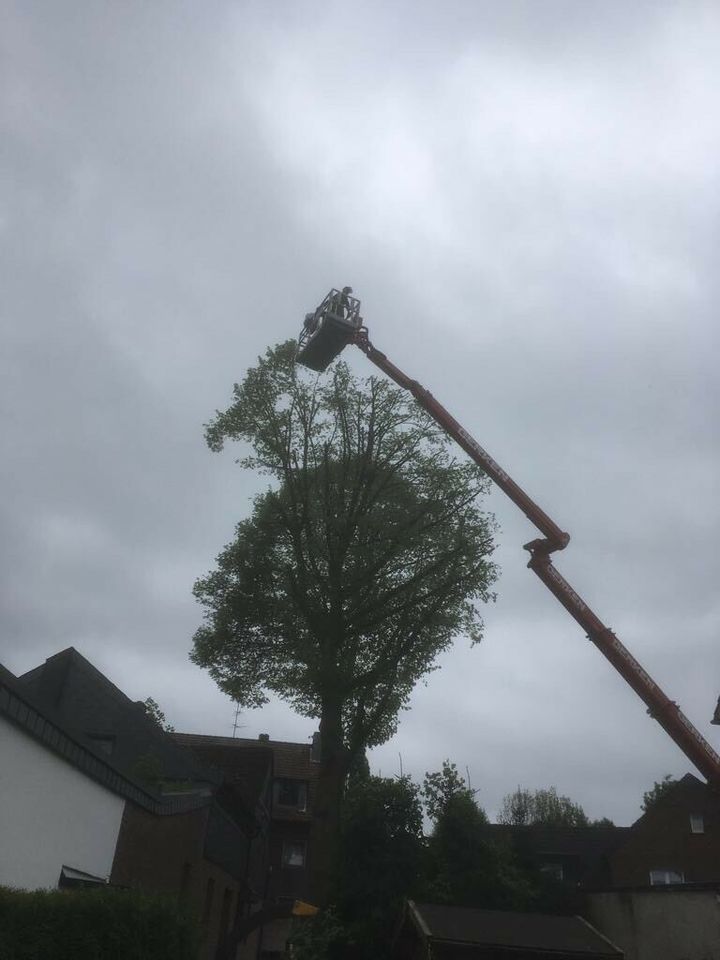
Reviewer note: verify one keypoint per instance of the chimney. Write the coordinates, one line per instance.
(265, 737)
(315, 748)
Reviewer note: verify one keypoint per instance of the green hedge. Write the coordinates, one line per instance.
(102, 924)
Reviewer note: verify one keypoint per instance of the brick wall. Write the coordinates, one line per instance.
(663, 839)
(165, 854)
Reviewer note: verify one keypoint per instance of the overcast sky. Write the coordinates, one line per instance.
(525, 196)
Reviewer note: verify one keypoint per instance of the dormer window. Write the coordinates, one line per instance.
(697, 823)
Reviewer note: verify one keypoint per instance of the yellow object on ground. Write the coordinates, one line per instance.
(302, 909)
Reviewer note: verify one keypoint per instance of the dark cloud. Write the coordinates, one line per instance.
(524, 195)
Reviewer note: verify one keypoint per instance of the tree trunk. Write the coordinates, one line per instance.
(325, 829)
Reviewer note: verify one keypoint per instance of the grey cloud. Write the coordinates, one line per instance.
(525, 197)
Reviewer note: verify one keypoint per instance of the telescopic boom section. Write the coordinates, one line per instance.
(660, 707)
(556, 539)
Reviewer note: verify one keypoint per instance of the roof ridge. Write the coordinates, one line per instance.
(73, 654)
(241, 740)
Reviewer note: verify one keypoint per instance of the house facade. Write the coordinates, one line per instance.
(676, 841)
(94, 791)
(652, 888)
(61, 806)
(578, 857)
(296, 767)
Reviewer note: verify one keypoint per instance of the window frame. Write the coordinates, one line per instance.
(300, 806)
(697, 823)
(285, 856)
(553, 870)
(666, 881)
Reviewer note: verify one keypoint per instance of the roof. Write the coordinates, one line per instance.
(247, 770)
(686, 792)
(499, 928)
(89, 705)
(585, 842)
(41, 721)
(582, 851)
(291, 760)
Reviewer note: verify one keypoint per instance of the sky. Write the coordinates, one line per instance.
(524, 196)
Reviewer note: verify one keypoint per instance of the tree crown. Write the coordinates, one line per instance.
(526, 807)
(362, 560)
(659, 789)
(442, 788)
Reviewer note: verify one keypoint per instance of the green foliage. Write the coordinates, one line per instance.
(381, 862)
(659, 790)
(441, 787)
(466, 867)
(153, 711)
(363, 560)
(324, 937)
(381, 856)
(602, 822)
(102, 924)
(530, 807)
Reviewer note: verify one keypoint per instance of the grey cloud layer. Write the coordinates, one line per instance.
(526, 198)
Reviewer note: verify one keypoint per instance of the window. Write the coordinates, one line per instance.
(293, 854)
(662, 877)
(553, 870)
(291, 793)
(697, 824)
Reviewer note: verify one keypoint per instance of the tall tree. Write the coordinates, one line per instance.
(360, 563)
(529, 807)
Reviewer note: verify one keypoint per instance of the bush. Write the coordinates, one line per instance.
(103, 924)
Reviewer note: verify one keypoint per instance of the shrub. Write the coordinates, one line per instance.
(102, 924)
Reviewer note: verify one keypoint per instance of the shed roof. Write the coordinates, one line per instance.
(500, 928)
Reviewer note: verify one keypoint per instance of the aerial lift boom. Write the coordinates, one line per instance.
(339, 324)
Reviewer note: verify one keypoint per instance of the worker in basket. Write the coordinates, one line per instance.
(342, 304)
(338, 307)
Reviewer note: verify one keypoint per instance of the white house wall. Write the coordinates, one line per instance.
(51, 815)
